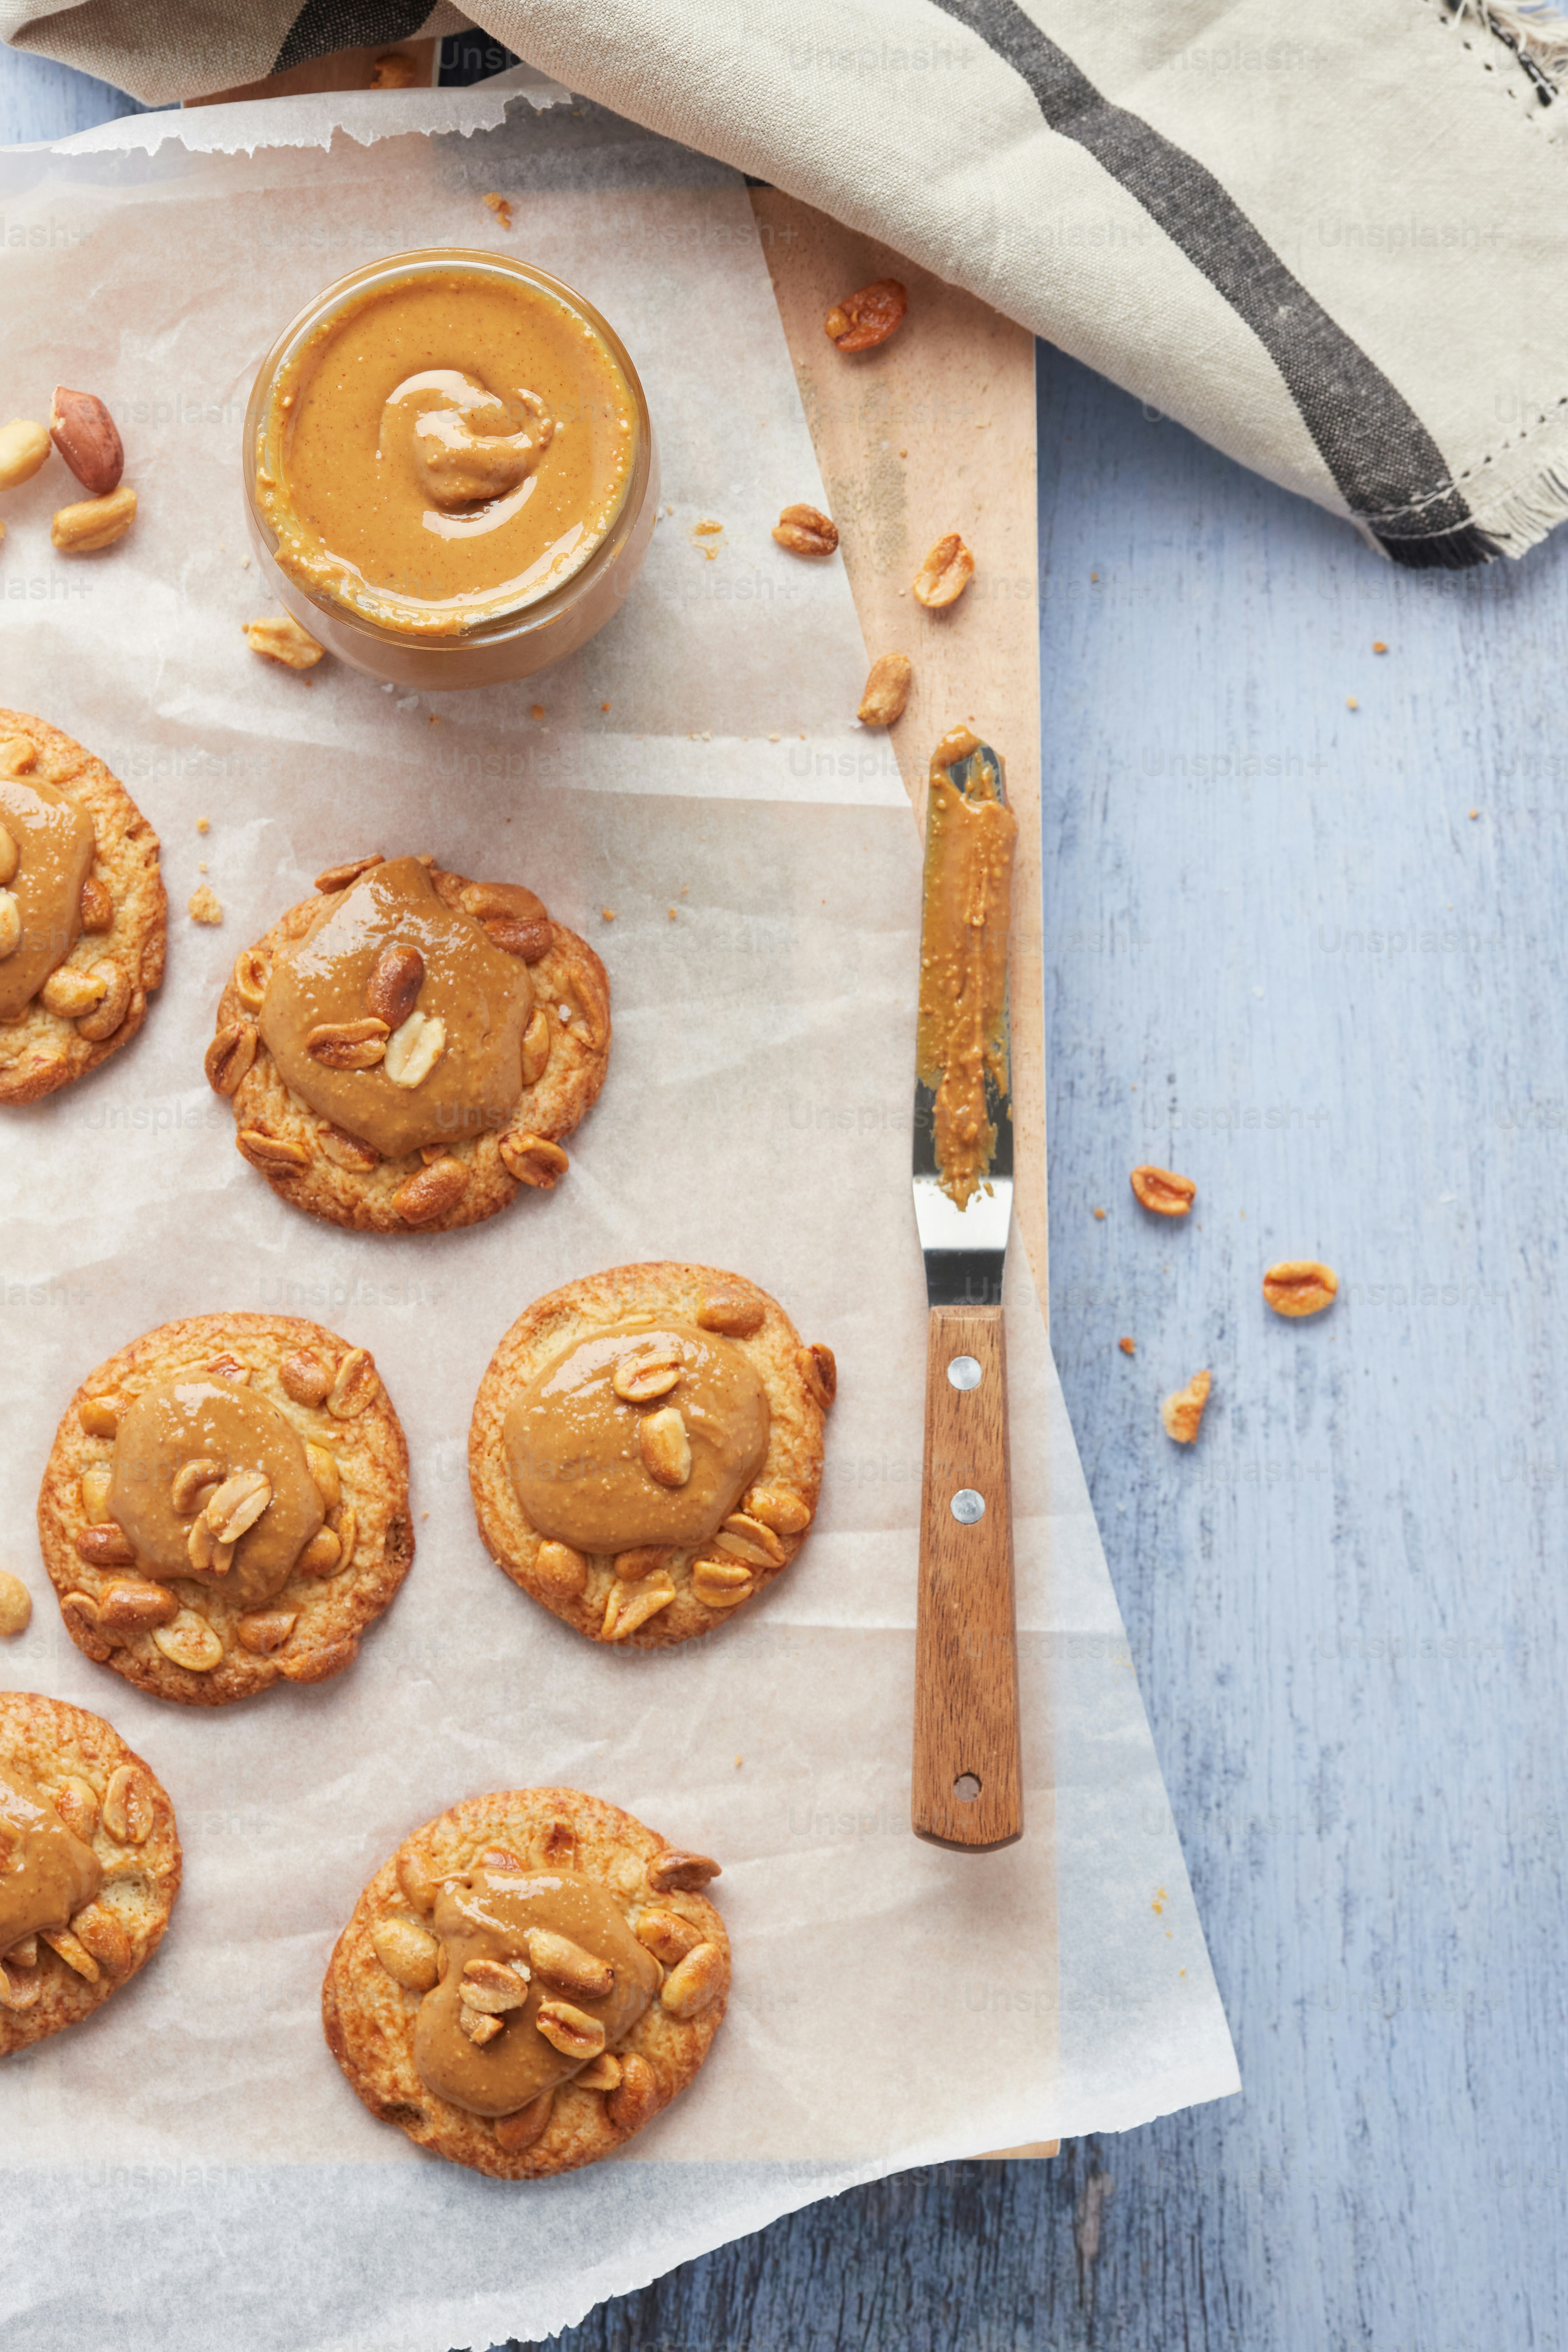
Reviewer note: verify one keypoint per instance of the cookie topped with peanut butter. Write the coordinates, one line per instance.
(226, 1507)
(404, 1051)
(83, 914)
(526, 1981)
(645, 1451)
(448, 445)
(89, 1865)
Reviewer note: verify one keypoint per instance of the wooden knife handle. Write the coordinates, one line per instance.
(967, 1778)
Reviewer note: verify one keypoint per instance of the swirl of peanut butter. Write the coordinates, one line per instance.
(160, 1488)
(471, 1006)
(527, 1924)
(590, 1470)
(47, 847)
(46, 1875)
(455, 443)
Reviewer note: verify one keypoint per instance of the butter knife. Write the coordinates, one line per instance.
(967, 1785)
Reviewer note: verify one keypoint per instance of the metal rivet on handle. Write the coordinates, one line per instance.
(964, 1372)
(967, 1506)
(966, 1788)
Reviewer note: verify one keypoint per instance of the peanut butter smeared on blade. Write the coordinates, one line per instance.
(212, 1483)
(397, 1017)
(541, 1975)
(645, 1435)
(47, 1875)
(46, 854)
(963, 1033)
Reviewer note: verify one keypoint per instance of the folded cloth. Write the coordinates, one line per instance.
(1330, 242)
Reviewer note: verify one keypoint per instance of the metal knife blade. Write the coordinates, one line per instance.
(966, 1791)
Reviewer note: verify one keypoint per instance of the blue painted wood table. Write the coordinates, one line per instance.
(1303, 921)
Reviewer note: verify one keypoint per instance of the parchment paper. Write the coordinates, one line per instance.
(695, 772)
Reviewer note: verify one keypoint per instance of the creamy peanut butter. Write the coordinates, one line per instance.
(448, 445)
(53, 842)
(225, 1425)
(479, 996)
(578, 1458)
(47, 1875)
(488, 1916)
(961, 1033)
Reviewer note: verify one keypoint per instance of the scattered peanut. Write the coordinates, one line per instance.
(393, 989)
(305, 1378)
(274, 1155)
(432, 1191)
(720, 1583)
(639, 1378)
(678, 1872)
(96, 907)
(532, 1160)
(282, 639)
(251, 972)
(338, 877)
(414, 1049)
(868, 318)
(493, 1987)
(563, 1569)
(348, 1045)
(15, 1604)
(407, 1951)
(266, 1631)
(84, 433)
(1300, 1287)
(129, 1807)
(1166, 1194)
(887, 691)
(69, 992)
(23, 449)
(665, 1447)
(94, 523)
(190, 1641)
(806, 530)
(945, 573)
(106, 1017)
(668, 1936)
(536, 1046)
(818, 1368)
(786, 1514)
(566, 1964)
(570, 2029)
(355, 1386)
(1183, 1409)
(736, 1313)
(630, 1606)
(131, 1605)
(230, 1055)
(696, 1981)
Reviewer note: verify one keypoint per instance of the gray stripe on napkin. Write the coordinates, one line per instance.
(1390, 471)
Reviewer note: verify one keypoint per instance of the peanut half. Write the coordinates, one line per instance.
(945, 573)
(1166, 1194)
(865, 319)
(806, 530)
(665, 1447)
(23, 449)
(887, 691)
(281, 638)
(1301, 1286)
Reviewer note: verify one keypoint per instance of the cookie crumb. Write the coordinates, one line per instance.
(1099, 1217)
(1128, 1347)
(203, 824)
(499, 206)
(1378, 647)
(1182, 1411)
(1474, 814)
(203, 905)
(434, 719)
(536, 710)
(672, 914)
(608, 913)
(17, 1607)
(1350, 702)
(604, 705)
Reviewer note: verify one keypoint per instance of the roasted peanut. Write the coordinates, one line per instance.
(76, 1801)
(600, 2074)
(887, 691)
(282, 639)
(129, 1807)
(97, 1485)
(190, 1641)
(105, 1937)
(806, 530)
(819, 1370)
(675, 1870)
(274, 1155)
(69, 992)
(100, 1415)
(106, 1546)
(536, 1046)
(72, 1951)
(431, 1193)
(10, 856)
(239, 1502)
(347, 1533)
(205, 1552)
(722, 1583)
(10, 923)
(189, 1479)
(133, 1606)
(946, 573)
(305, 1378)
(637, 2097)
(23, 449)
(786, 1514)
(109, 1014)
(266, 1631)
(493, 1987)
(639, 1378)
(1168, 1196)
(407, 1951)
(322, 1463)
(393, 989)
(414, 1049)
(94, 523)
(84, 433)
(15, 1605)
(478, 2024)
(566, 1963)
(866, 319)
(695, 1983)
(251, 973)
(735, 1312)
(1183, 1409)
(1300, 1287)
(338, 877)
(323, 1556)
(96, 908)
(629, 1606)
(345, 1150)
(646, 1559)
(525, 2125)
(665, 1447)
(354, 1387)
(749, 1539)
(532, 1160)
(563, 1569)
(230, 1057)
(348, 1045)
(570, 2029)
(667, 1936)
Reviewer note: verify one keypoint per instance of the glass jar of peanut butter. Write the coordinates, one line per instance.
(451, 473)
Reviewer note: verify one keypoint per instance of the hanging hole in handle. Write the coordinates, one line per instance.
(966, 1788)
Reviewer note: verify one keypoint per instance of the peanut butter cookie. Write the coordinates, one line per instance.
(227, 1507)
(528, 1982)
(89, 1865)
(83, 916)
(645, 1450)
(404, 1051)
